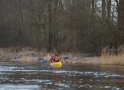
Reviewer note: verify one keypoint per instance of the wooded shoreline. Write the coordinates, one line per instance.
(62, 25)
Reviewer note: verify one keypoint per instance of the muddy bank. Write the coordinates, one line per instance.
(34, 57)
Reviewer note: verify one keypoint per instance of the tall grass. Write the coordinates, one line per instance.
(22, 54)
(112, 56)
(4, 56)
(27, 59)
(47, 57)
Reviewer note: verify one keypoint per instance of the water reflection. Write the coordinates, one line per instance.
(69, 77)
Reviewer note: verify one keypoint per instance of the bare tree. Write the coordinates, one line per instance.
(108, 10)
(104, 11)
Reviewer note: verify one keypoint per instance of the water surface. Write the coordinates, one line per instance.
(18, 76)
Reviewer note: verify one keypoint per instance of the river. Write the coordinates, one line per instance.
(20, 76)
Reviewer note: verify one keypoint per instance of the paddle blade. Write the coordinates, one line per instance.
(44, 61)
(66, 57)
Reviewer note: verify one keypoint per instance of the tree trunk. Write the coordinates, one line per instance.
(20, 33)
(109, 10)
(104, 11)
(121, 16)
(50, 29)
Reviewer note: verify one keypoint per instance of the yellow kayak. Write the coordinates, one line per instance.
(56, 64)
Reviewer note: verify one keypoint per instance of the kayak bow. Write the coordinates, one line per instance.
(56, 64)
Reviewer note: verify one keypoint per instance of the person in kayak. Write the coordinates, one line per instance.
(54, 58)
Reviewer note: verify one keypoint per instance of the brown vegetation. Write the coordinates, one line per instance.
(28, 55)
(113, 56)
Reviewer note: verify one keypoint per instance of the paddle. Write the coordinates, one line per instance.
(66, 57)
(45, 61)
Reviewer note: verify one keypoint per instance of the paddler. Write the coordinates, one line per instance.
(54, 58)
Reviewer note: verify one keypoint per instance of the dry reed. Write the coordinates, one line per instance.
(113, 56)
(47, 57)
(27, 59)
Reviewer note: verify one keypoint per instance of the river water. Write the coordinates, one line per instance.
(18, 76)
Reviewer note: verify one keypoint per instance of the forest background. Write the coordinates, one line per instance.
(62, 25)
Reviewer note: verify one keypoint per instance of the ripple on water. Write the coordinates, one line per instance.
(34, 77)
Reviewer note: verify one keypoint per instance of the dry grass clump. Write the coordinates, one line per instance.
(47, 57)
(19, 54)
(73, 58)
(7, 54)
(95, 60)
(4, 56)
(27, 59)
(113, 56)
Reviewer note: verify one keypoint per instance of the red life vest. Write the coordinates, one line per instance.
(53, 57)
(56, 59)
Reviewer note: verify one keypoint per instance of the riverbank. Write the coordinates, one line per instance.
(29, 55)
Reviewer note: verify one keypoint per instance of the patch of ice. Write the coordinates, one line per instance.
(18, 87)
